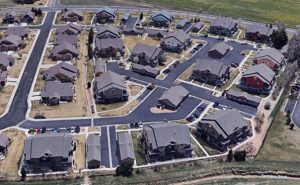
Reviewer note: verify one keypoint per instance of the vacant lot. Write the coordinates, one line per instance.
(9, 166)
(258, 10)
(79, 154)
(131, 41)
(138, 150)
(5, 95)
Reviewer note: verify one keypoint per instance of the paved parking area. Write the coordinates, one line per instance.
(114, 147)
(105, 159)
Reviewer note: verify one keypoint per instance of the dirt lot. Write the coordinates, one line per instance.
(135, 89)
(79, 154)
(9, 166)
(122, 111)
(186, 74)
(5, 95)
(131, 41)
(138, 150)
(88, 15)
(39, 81)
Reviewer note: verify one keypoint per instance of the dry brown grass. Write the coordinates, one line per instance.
(131, 41)
(88, 15)
(135, 89)
(167, 62)
(9, 166)
(5, 95)
(94, 129)
(79, 154)
(90, 71)
(186, 74)
(122, 111)
(234, 73)
(39, 81)
(47, 59)
(38, 20)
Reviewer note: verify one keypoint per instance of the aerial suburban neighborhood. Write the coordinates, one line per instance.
(127, 93)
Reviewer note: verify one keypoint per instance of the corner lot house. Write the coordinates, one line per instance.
(93, 151)
(56, 91)
(125, 147)
(257, 79)
(223, 26)
(28, 17)
(243, 98)
(63, 72)
(110, 87)
(147, 55)
(70, 29)
(223, 128)
(166, 141)
(3, 78)
(219, 50)
(211, 72)
(9, 18)
(105, 15)
(48, 153)
(109, 47)
(64, 52)
(145, 70)
(19, 31)
(72, 15)
(6, 61)
(271, 57)
(107, 31)
(176, 41)
(182, 23)
(259, 33)
(11, 43)
(163, 18)
(197, 27)
(173, 97)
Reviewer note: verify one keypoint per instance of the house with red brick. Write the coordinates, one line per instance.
(259, 33)
(271, 57)
(258, 79)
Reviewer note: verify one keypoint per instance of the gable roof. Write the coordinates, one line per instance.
(99, 67)
(107, 10)
(76, 29)
(57, 89)
(29, 14)
(213, 66)
(110, 79)
(225, 122)
(174, 95)
(223, 22)
(65, 46)
(107, 43)
(93, 145)
(165, 134)
(107, 28)
(64, 68)
(72, 11)
(13, 39)
(4, 140)
(5, 59)
(180, 35)
(262, 29)
(146, 68)
(166, 14)
(125, 146)
(243, 94)
(261, 71)
(182, 22)
(274, 54)
(150, 51)
(220, 47)
(71, 39)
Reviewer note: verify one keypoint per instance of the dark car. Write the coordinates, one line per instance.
(166, 71)
(190, 118)
(77, 129)
(235, 65)
(196, 114)
(216, 104)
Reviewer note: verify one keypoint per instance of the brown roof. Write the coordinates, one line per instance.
(57, 89)
(107, 43)
(65, 46)
(71, 39)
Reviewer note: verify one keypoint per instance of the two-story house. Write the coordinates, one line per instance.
(176, 41)
(162, 19)
(109, 47)
(219, 50)
(259, 33)
(64, 72)
(271, 57)
(105, 15)
(107, 32)
(72, 15)
(173, 97)
(223, 26)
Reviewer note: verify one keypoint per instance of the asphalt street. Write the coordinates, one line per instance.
(114, 146)
(105, 159)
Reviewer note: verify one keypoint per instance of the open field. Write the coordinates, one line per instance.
(264, 11)
(5, 95)
(9, 166)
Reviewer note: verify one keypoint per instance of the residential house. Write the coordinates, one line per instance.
(93, 151)
(145, 70)
(243, 98)
(257, 79)
(64, 52)
(110, 87)
(6, 61)
(162, 19)
(109, 48)
(223, 26)
(107, 31)
(125, 18)
(105, 15)
(3, 79)
(70, 29)
(147, 55)
(271, 57)
(20, 31)
(125, 147)
(182, 23)
(166, 141)
(156, 33)
(61, 38)
(176, 41)
(223, 128)
(26, 1)
(11, 43)
(259, 33)
(173, 97)
(63, 72)
(284, 50)
(4, 142)
(219, 50)
(55, 91)
(28, 17)
(99, 68)
(133, 31)
(211, 72)
(197, 27)
(9, 18)
(48, 153)
(72, 15)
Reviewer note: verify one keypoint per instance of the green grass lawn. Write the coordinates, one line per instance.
(138, 150)
(5, 3)
(258, 10)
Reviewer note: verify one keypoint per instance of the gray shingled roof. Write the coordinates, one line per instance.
(106, 9)
(198, 25)
(213, 66)
(99, 67)
(53, 145)
(107, 43)
(221, 48)
(29, 14)
(107, 28)
(262, 29)
(150, 51)
(244, 94)
(165, 134)
(93, 146)
(20, 31)
(57, 89)
(110, 79)
(182, 22)
(73, 27)
(272, 53)
(71, 39)
(181, 36)
(6, 59)
(225, 121)
(174, 95)
(3, 76)
(125, 146)
(64, 68)
(262, 71)
(65, 46)
(164, 13)
(146, 68)
(4, 141)
(223, 22)
(13, 39)
(72, 11)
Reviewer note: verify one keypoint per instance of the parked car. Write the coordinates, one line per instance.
(166, 71)
(77, 129)
(216, 104)
(190, 118)
(44, 130)
(234, 64)
(196, 114)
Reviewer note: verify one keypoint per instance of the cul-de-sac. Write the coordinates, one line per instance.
(149, 92)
